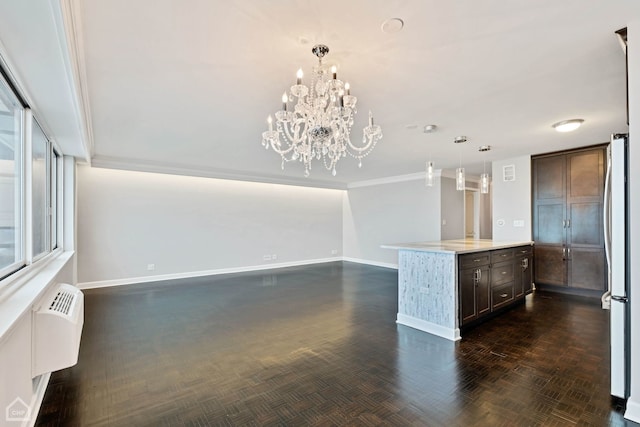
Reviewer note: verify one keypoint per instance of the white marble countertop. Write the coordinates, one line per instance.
(461, 246)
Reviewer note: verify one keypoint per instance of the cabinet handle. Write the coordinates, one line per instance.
(524, 251)
(568, 253)
(504, 295)
(568, 223)
(504, 272)
(476, 260)
(564, 223)
(564, 254)
(525, 263)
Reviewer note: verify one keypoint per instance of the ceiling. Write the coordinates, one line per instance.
(186, 86)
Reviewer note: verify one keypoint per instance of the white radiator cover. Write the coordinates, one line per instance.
(57, 328)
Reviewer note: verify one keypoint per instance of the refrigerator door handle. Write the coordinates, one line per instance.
(605, 299)
(619, 298)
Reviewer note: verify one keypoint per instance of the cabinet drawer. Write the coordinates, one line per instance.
(474, 260)
(501, 255)
(523, 251)
(501, 273)
(501, 295)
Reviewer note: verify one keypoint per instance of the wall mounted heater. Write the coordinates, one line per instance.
(57, 327)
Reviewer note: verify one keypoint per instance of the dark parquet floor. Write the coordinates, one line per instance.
(318, 345)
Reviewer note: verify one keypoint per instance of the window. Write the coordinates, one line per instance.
(11, 182)
(30, 185)
(39, 193)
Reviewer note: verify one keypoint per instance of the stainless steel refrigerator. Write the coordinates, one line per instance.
(616, 299)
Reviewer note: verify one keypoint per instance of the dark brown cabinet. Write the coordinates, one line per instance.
(523, 271)
(474, 293)
(568, 193)
(491, 280)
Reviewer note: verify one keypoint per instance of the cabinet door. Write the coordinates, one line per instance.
(483, 296)
(550, 265)
(587, 269)
(467, 282)
(474, 293)
(586, 264)
(527, 274)
(523, 276)
(549, 207)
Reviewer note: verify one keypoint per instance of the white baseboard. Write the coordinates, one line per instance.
(191, 274)
(368, 262)
(633, 410)
(432, 328)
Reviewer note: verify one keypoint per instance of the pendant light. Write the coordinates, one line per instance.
(460, 178)
(429, 178)
(484, 177)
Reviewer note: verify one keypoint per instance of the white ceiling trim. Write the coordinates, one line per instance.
(69, 28)
(391, 179)
(192, 170)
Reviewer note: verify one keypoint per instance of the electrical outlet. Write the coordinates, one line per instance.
(274, 257)
(266, 257)
(444, 222)
(151, 267)
(518, 223)
(334, 251)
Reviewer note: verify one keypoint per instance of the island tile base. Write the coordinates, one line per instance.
(427, 292)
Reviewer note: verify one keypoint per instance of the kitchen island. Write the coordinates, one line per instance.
(444, 285)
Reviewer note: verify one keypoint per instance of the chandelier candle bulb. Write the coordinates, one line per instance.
(370, 118)
(270, 121)
(285, 99)
(334, 71)
(299, 75)
(347, 88)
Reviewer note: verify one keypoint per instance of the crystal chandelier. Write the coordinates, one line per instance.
(319, 127)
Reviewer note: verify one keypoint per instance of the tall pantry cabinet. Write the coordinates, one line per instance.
(568, 190)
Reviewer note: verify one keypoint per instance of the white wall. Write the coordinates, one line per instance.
(512, 200)
(633, 404)
(127, 220)
(452, 212)
(389, 213)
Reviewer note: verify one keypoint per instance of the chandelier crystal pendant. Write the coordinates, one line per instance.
(319, 125)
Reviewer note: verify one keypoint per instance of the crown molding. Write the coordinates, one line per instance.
(69, 28)
(198, 171)
(391, 179)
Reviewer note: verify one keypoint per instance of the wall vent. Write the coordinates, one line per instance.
(62, 302)
(509, 173)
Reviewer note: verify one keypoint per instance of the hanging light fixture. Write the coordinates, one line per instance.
(484, 176)
(319, 126)
(429, 177)
(460, 178)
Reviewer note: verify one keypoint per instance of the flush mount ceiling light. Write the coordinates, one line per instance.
(392, 25)
(430, 128)
(567, 125)
(320, 124)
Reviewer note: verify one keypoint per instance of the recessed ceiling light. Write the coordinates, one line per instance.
(430, 128)
(484, 148)
(567, 125)
(392, 25)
